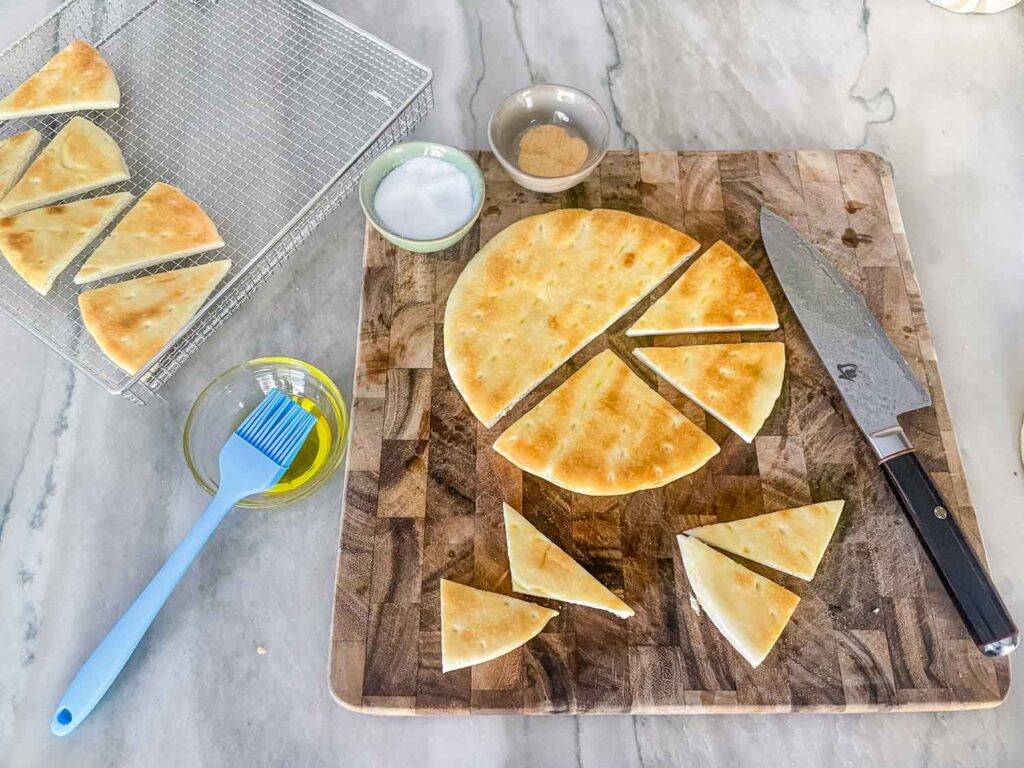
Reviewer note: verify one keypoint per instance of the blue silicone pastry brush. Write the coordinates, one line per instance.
(252, 461)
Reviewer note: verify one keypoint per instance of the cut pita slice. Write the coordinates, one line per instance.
(541, 568)
(15, 153)
(82, 157)
(719, 292)
(738, 384)
(76, 78)
(749, 610)
(133, 320)
(552, 283)
(792, 540)
(478, 626)
(163, 225)
(39, 244)
(604, 432)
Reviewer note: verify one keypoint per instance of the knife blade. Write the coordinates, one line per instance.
(878, 386)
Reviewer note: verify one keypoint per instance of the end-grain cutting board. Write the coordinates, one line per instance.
(873, 631)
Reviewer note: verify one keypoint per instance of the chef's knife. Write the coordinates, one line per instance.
(878, 386)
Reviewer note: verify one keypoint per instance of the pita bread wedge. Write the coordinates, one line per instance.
(478, 626)
(39, 244)
(15, 153)
(76, 78)
(548, 283)
(133, 320)
(792, 540)
(541, 568)
(718, 292)
(82, 157)
(163, 225)
(749, 610)
(738, 384)
(604, 432)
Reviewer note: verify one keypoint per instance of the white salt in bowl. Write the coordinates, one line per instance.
(390, 159)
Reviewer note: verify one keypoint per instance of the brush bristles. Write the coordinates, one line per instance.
(277, 427)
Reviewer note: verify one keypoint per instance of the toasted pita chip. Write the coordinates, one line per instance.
(604, 432)
(748, 609)
(133, 320)
(82, 157)
(539, 567)
(550, 284)
(39, 244)
(76, 78)
(15, 154)
(163, 225)
(792, 540)
(718, 292)
(738, 384)
(478, 626)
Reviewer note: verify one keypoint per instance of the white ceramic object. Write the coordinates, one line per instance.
(975, 6)
(545, 104)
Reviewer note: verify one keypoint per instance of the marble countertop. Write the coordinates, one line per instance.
(94, 492)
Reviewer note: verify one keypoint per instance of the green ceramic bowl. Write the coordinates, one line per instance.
(394, 157)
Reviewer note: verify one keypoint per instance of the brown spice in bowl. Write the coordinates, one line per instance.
(548, 150)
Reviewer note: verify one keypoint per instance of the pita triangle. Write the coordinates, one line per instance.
(133, 320)
(604, 432)
(738, 384)
(719, 292)
(749, 610)
(15, 153)
(81, 158)
(76, 78)
(792, 540)
(163, 225)
(541, 568)
(478, 626)
(39, 244)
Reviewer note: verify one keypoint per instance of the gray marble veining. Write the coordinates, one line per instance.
(94, 492)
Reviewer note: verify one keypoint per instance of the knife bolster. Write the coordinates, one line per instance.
(889, 442)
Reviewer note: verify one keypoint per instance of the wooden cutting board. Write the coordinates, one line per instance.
(873, 631)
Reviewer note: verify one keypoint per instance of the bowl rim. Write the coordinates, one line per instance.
(380, 159)
(326, 471)
(584, 170)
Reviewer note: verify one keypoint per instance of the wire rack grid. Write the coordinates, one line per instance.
(265, 112)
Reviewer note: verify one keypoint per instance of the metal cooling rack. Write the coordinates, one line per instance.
(264, 111)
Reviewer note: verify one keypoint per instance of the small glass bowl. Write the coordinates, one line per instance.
(229, 398)
(547, 104)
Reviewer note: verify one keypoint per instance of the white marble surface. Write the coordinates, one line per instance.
(94, 492)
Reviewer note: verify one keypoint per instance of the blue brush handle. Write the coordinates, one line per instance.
(103, 666)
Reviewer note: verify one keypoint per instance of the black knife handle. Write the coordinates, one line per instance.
(965, 579)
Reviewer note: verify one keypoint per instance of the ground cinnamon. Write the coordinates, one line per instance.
(548, 150)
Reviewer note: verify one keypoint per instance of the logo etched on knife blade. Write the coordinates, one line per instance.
(847, 371)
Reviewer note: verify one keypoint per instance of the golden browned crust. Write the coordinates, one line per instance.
(165, 224)
(478, 626)
(76, 78)
(738, 384)
(541, 289)
(81, 157)
(542, 568)
(718, 292)
(791, 540)
(748, 609)
(604, 432)
(15, 154)
(39, 244)
(131, 321)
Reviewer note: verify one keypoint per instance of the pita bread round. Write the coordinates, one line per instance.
(540, 290)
